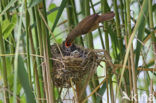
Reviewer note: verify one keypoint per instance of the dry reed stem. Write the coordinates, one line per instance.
(50, 94)
(139, 68)
(50, 31)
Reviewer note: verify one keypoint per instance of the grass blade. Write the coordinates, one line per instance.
(24, 80)
(62, 6)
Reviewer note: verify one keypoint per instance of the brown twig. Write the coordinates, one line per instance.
(94, 91)
(139, 68)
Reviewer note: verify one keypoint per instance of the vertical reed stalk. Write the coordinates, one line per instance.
(37, 49)
(133, 75)
(151, 22)
(122, 12)
(118, 29)
(27, 20)
(40, 51)
(153, 37)
(129, 71)
(35, 68)
(4, 68)
(128, 31)
(46, 45)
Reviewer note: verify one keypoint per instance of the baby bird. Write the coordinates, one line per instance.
(75, 54)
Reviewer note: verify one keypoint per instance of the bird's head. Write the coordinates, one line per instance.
(68, 47)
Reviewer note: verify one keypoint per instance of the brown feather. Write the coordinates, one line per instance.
(88, 24)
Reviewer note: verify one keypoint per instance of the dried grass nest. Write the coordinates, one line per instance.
(69, 66)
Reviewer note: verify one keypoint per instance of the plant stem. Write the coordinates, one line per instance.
(153, 37)
(4, 68)
(118, 29)
(130, 59)
(46, 51)
(27, 40)
(35, 67)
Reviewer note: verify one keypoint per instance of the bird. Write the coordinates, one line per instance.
(73, 50)
(67, 50)
(75, 54)
(88, 24)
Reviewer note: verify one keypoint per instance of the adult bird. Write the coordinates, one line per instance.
(87, 25)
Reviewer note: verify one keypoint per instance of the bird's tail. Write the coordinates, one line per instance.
(105, 17)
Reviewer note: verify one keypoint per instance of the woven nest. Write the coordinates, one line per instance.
(73, 65)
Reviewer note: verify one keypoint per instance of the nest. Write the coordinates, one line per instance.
(73, 65)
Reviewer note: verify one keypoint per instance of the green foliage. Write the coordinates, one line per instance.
(8, 26)
(34, 3)
(23, 78)
(52, 16)
(7, 7)
(62, 6)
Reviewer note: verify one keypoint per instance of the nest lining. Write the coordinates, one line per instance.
(70, 65)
